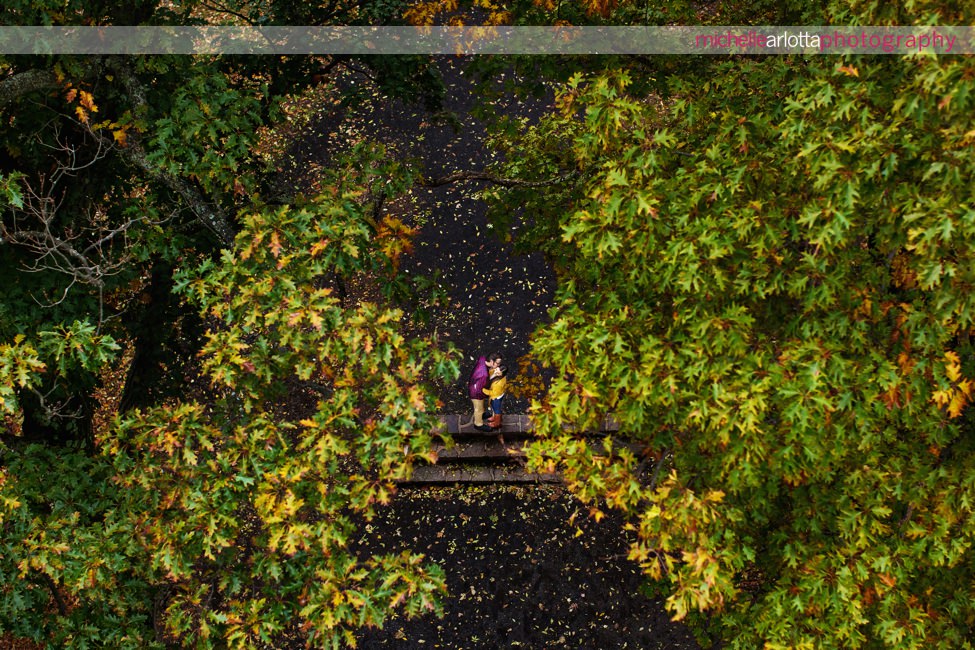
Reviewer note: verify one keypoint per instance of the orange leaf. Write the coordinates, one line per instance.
(905, 362)
(318, 247)
(416, 398)
(275, 244)
(88, 101)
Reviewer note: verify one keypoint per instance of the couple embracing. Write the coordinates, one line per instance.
(487, 382)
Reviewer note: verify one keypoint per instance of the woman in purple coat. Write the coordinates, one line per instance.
(475, 387)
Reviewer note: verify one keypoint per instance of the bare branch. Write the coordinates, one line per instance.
(72, 167)
(217, 8)
(56, 251)
(348, 65)
(56, 410)
(87, 251)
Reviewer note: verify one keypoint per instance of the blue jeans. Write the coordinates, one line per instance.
(496, 405)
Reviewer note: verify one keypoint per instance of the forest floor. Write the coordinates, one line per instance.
(526, 567)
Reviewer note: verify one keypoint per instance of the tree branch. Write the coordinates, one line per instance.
(318, 388)
(44, 243)
(656, 472)
(496, 180)
(87, 250)
(902, 526)
(56, 594)
(17, 85)
(228, 11)
(212, 216)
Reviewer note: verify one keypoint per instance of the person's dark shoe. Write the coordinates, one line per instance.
(483, 428)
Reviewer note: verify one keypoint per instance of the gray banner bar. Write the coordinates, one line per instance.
(488, 40)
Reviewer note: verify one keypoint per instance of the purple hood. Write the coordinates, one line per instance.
(475, 385)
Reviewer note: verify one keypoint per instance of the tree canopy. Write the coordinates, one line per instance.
(766, 279)
(765, 276)
(203, 515)
(229, 521)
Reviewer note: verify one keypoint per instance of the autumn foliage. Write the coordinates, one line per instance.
(769, 288)
(238, 516)
(765, 275)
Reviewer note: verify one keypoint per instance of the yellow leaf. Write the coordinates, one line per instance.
(953, 370)
(316, 320)
(957, 404)
(416, 398)
(965, 386)
(88, 101)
